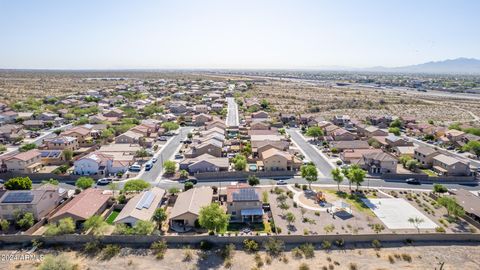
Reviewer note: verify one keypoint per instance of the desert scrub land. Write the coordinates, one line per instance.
(326, 101)
(294, 257)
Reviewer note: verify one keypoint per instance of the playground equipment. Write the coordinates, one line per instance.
(320, 197)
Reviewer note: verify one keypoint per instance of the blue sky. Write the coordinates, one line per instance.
(120, 34)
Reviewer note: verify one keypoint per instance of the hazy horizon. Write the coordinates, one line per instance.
(193, 35)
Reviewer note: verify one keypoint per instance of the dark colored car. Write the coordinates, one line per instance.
(412, 181)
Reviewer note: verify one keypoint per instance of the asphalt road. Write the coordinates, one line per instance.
(232, 113)
(165, 153)
(311, 153)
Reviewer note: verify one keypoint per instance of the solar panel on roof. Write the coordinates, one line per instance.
(146, 200)
(245, 194)
(18, 197)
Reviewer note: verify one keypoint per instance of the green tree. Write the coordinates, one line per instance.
(169, 126)
(315, 132)
(240, 162)
(416, 221)
(187, 186)
(173, 191)
(159, 216)
(473, 146)
(26, 221)
(67, 154)
(394, 130)
(397, 123)
(412, 164)
(453, 208)
(184, 174)
(96, 224)
(27, 147)
(136, 185)
(19, 183)
(253, 180)
(337, 177)
(439, 188)
(309, 173)
(143, 227)
(84, 182)
(169, 166)
(213, 218)
(64, 226)
(357, 176)
(404, 159)
(142, 153)
(290, 217)
(4, 225)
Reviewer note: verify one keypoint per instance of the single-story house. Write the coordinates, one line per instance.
(141, 207)
(188, 205)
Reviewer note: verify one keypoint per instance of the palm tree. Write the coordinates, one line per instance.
(337, 177)
(159, 216)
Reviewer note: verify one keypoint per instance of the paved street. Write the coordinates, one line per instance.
(311, 154)
(165, 153)
(232, 113)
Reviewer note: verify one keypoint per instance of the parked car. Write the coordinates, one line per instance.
(135, 168)
(412, 181)
(162, 138)
(154, 159)
(281, 182)
(2, 181)
(178, 156)
(104, 181)
(148, 165)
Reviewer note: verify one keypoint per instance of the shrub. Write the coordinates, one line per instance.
(187, 255)
(326, 244)
(440, 229)
(109, 251)
(274, 246)
(391, 259)
(406, 257)
(339, 242)
(206, 245)
(308, 250)
(297, 253)
(250, 245)
(304, 187)
(92, 248)
(352, 266)
(304, 266)
(227, 251)
(376, 244)
(58, 262)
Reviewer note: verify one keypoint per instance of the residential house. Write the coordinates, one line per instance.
(205, 163)
(450, 166)
(82, 134)
(52, 157)
(39, 202)
(8, 117)
(187, 207)
(177, 107)
(116, 113)
(404, 151)
(341, 134)
(47, 116)
(288, 119)
(353, 144)
(244, 204)
(424, 155)
(263, 145)
(9, 133)
(141, 207)
(209, 146)
(61, 143)
(259, 125)
(396, 141)
(277, 160)
(379, 163)
(23, 162)
(201, 119)
(84, 205)
(469, 202)
(454, 135)
(341, 120)
(129, 137)
(201, 108)
(354, 156)
(34, 124)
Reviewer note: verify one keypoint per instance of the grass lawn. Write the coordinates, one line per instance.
(430, 173)
(112, 216)
(355, 200)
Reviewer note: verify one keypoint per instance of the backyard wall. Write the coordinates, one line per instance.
(146, 240)
(426, 178)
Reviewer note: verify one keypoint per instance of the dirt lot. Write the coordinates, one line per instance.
(328, 101)
(407, 257)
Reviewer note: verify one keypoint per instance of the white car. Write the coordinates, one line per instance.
(104, 181)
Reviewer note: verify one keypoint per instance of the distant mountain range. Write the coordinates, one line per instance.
(450, 66)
